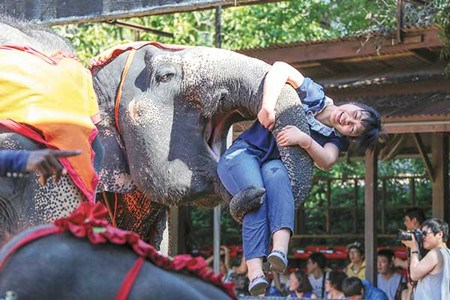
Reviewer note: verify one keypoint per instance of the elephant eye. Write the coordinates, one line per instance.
(165, 77)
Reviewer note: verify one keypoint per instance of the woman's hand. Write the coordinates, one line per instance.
(291, 135)
(266, 117)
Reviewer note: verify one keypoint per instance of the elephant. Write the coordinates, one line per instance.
(166, 111)
(91, 260)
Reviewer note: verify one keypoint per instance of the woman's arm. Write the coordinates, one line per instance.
(279, 74)
(324, 157)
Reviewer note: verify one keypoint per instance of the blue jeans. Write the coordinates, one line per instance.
(239, 167)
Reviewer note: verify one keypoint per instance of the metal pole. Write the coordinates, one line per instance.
(217, 209)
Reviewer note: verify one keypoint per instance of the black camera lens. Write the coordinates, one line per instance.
(404, 235)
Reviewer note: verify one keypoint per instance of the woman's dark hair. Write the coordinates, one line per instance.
(436, 225)
(336, 278)
(304, 285)
(352, 286)
(373, 129)
(319, 258)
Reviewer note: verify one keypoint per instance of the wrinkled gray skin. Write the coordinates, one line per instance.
(61, 266)
(174, 115)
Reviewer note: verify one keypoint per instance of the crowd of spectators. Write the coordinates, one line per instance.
(397, 279)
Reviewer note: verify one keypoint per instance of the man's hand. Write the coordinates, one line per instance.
(266, 117)
(292, 136)
(45, 163)
(412, 244)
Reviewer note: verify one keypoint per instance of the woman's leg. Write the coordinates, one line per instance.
(239, 168)
(280, 203)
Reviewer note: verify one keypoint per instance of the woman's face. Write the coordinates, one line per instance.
(354, 255)
(293, 282)
(328, 286)
(347, 119)
(310, 266)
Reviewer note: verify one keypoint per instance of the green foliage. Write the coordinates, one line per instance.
(242, 27)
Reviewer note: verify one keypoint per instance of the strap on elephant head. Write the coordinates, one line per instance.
(119, 90)
(110, 54)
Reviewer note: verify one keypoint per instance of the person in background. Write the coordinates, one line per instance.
(389, 281)
(224, 264)
(16, 163)
(432, 271)
(240, 279)
(412, 220)
(333, 285)
(357, 289)
(317, 274)
(357, 265)
(279, 286)
(300, 287)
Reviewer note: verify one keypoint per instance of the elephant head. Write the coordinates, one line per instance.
(165, 121)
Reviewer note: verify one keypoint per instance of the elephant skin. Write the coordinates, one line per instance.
(174, 115)
(61, 266)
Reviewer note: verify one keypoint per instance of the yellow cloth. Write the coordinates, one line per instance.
(56, 97)
(361, 274)
(34, 91)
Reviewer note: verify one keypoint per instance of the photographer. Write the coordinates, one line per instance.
(413, 219)
(432, 271)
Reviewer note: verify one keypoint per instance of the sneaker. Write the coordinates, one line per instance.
(258, 285)
(278, 261)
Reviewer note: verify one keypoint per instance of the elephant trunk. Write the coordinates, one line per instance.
(246, 76)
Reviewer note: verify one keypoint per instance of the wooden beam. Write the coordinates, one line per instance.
(440, 186)
(393, 88)
(345, 48)
(178, 229)
(417, 127)
(370, 212)
(399, 20)
(423, 154)
(392, 147)
(139, 28)
(426, 55)
(56, 12)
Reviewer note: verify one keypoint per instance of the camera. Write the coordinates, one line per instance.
(406, 235)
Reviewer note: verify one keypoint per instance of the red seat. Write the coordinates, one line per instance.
(316, 248)
(340, 249)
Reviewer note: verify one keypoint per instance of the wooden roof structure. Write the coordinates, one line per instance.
(55, 12)
(404, 79)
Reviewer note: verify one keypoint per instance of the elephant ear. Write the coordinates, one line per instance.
(297, 161)
(114, 174)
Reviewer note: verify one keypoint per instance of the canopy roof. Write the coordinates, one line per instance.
(77, 11)
(404, 80)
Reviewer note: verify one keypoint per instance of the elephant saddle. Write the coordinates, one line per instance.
(51, 100)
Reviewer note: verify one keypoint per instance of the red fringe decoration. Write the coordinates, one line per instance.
(89, 221)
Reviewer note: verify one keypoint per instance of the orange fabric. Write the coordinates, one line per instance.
(55, 95)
